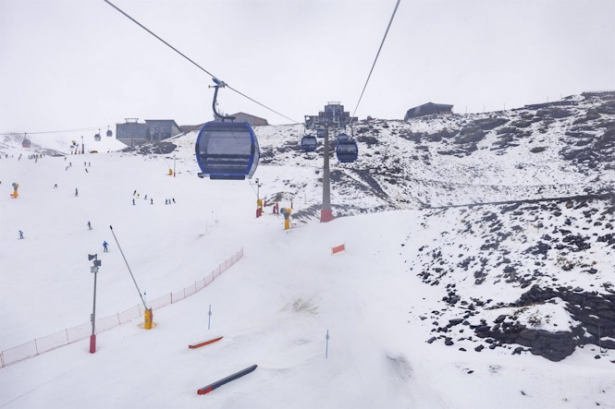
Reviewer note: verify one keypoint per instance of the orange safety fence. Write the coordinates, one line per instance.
(160, 302)
(47, 343)
(191, 289)
(180, 295)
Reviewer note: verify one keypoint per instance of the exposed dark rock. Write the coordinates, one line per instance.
(487, 124)
(553, 112)
(518, 350)
(469, 135)
(538, 149)
(500, 319)
(521, 124)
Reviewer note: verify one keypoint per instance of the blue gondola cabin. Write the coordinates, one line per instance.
(227, 150)
(347, 149)
(308, 143)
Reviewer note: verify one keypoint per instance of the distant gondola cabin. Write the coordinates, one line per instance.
(347, 149)
(309, 143)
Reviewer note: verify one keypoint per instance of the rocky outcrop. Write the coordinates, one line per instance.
(521, 244)
(594, 312)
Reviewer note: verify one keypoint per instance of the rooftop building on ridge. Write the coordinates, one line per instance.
(429, 109)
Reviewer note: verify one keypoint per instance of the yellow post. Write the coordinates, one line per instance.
(259, 207)
(170, 172)
(286, 213)
(149, 318)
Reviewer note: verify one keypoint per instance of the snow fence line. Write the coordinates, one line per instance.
(47, 343)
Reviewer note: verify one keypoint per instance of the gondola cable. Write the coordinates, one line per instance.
(377, 55)
(61, 131)
(160, 39)
(193, 62)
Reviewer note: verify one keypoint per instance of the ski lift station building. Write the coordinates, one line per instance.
(334, 115)
(243, 117)
(428, 109)
(133, 133)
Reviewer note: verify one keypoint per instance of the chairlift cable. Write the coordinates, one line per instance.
(65, 130)
(154, 34)
(190, 60)
(377, 55)
(61, 131)
(264, 106)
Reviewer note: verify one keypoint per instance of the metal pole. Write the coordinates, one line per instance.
(209, 320)
(326, 215)
(93, 337)
(129, 270)
(94, 306)
(174, 171)
(327, 346)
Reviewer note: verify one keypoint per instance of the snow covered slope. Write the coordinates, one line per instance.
(435, 303)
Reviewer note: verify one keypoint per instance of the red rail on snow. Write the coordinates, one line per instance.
(201, 344)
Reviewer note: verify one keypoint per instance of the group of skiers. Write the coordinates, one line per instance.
(55, 186)
(85, 164)
(136, 195)
(105, 244)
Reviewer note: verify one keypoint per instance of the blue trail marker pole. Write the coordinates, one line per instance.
(327, 345)
(209, 319)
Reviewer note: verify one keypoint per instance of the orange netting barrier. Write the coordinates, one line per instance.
(83, 331)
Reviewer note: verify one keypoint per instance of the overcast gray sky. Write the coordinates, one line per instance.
(67, 64)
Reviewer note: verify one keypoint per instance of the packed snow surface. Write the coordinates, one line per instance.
(274, 307)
